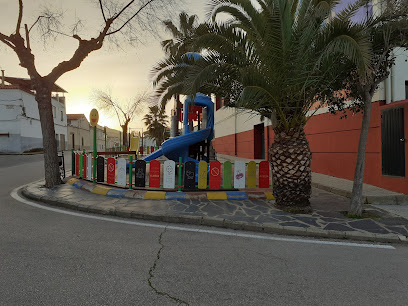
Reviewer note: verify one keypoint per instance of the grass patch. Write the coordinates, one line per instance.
(365, 215)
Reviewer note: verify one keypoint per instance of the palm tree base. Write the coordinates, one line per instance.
(290, 158)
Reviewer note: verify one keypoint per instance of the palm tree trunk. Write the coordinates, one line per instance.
(290, 160)
(356, 202)
(43, 98)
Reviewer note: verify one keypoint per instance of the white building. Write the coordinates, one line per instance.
(20, 127)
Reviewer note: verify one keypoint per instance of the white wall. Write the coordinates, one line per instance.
(19, 116)
(229, 121)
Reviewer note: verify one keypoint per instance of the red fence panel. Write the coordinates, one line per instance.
(264, 174)
(110, 165)
(215, 175)
(154, 174)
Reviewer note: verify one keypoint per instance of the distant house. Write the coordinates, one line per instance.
(113, 139)
(20, 128)
(78, 132)
(81, 135)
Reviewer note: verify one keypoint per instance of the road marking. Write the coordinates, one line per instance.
(17, 197)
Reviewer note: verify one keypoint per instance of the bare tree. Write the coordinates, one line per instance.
(128, 18)
(125, 112)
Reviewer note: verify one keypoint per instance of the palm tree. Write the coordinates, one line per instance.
(182, 39)
(273, 57)
(156, 122)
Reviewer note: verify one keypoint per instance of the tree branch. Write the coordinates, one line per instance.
(103, 12)
(134, 15)
(27, 37)
(20, 16)
(6, 40)
(38, 19)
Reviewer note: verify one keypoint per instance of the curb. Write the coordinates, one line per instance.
(270, 228)
(390, 199)
(167, 195)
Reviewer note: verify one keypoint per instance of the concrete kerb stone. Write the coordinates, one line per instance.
(131, 212)
(392, 200)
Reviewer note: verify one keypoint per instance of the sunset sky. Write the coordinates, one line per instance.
(126, 72)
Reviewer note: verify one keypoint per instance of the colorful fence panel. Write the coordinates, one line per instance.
(239, 174)
(154, 174)
(252, 174)
(100, 169)
(202, 175)
(227, 182)
(122, 172)
(169, 174)
(215, 175)
(264, 174)
(84, 164)
(77, 164)
(110, 166)
(89, 167)
(140, 173)
(189, 175)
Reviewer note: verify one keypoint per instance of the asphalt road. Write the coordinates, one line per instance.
(52, 258)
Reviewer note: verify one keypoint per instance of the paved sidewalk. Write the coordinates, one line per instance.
(327, 219)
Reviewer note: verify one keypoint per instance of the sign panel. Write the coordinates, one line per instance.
(100, 169)
(110, 167)
(239, 174)
(264, 174)
(169, 174)
(140, 173)
(93, 117)
(84, 173)
(77, 164)
(227, 182)
(215, 175)
(252, 174)
(122, 172)
(154, 174)
(89, 167)
(189, 175)
(202, 175)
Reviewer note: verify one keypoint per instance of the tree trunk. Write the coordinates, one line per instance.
(356, 207)
(51, 165)
(290, 160)
(125, 135)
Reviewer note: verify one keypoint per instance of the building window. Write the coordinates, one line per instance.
(406, 90)
(62, 116)
(82, 141)
(53, 111)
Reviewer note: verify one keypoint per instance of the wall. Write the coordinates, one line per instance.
(10, 112)
(81, 130)
(234, 132)
(20, 118)
(334, 143)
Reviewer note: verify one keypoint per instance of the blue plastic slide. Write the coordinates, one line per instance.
(179, 146)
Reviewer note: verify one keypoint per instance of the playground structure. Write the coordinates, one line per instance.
(188, 167)
(192, 145)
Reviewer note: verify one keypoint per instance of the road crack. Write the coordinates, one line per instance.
(153, 269)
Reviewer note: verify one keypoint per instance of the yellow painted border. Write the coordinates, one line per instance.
(155, 195)
(269, 196)
(100, 190)
(217, 195)
(72, 181)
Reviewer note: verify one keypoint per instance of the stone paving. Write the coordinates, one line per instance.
(327, 219)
